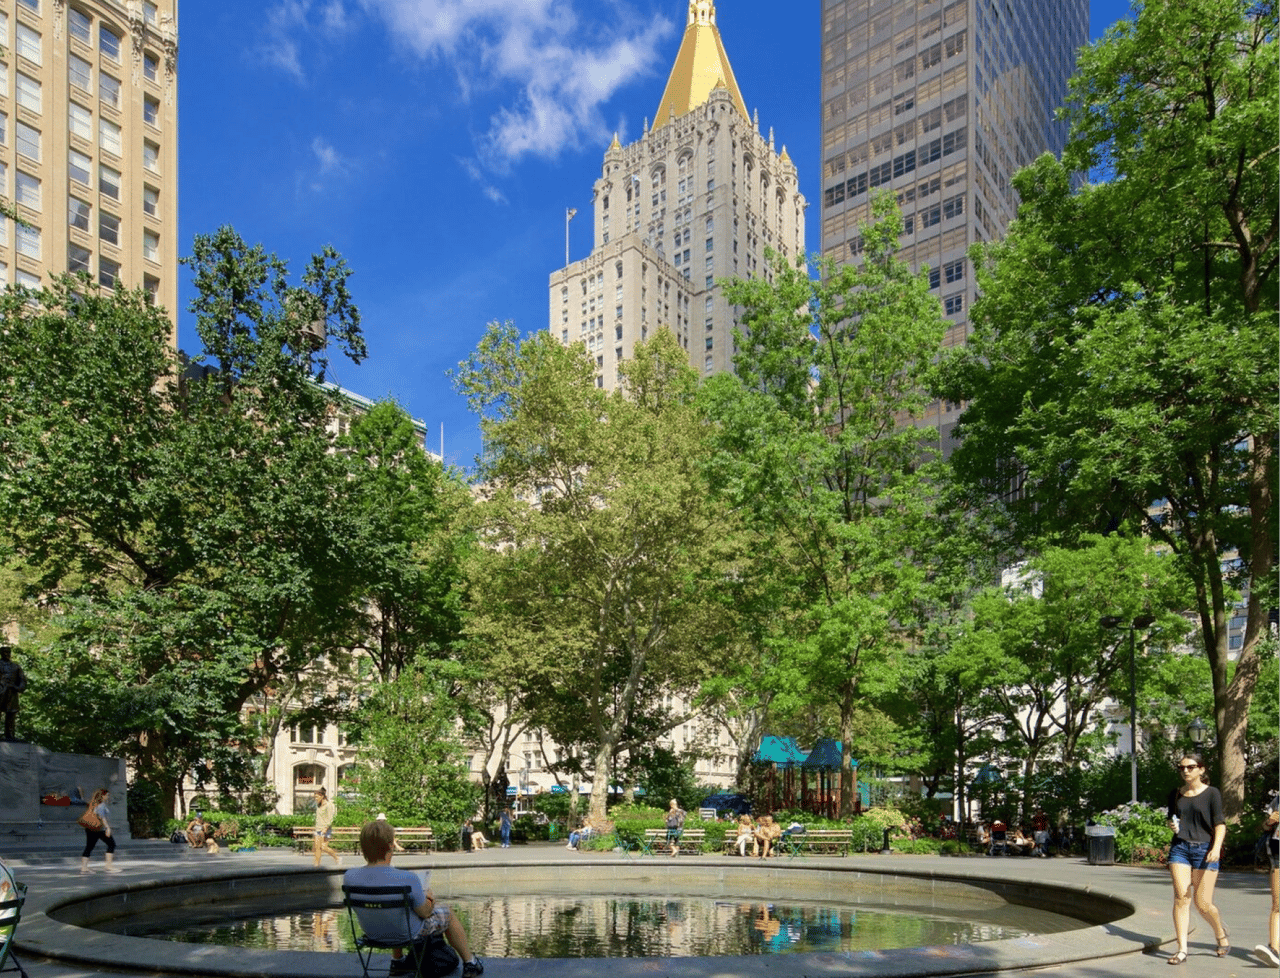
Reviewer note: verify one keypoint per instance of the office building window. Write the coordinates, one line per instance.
(151, 201)
(150, 66)
(28, 241)
(30, 4)
(108, 272)
(110, 90)
(151, 110)
(4, 129)
(29, 44)
(953, 271)
(151, 284)
(151, 156)
(28, 142)
(109, 182)
(80, 25)
(29, 95)
(78, 259)
(78, 213)
(27, 190)
(78, 167)
(109, 228)
(109, 43)
(150, 245)
(80, 74)
(149, 12)
(954, 303)
(4, 29)
(81, 122)
(109, 136)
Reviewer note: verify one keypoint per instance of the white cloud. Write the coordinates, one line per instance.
(540, 71)
(288, 24)
(551, 73)
(327, 156)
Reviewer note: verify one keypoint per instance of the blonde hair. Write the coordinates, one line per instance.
(376, 839)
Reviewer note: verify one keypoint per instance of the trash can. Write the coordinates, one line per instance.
(1102, 844)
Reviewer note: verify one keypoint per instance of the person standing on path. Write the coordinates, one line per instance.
(675, 826)
(98, 807)
(1270, 952)
(1199, 828)
(504, 826)
(325, 814)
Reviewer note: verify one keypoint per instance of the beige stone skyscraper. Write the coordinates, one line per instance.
(698, 197)
(89, 142)
(940, 102)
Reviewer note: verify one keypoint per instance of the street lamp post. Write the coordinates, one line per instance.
(1140, 622)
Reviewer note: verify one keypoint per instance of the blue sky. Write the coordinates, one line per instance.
(437, 143)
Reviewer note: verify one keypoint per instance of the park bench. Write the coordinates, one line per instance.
(690, 839)
(824, 841)
(414, 837)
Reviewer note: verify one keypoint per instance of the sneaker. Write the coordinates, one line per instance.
(472, 968)
(402, 966)
(1267, 955)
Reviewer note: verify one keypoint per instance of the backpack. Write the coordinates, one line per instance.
(438, 958)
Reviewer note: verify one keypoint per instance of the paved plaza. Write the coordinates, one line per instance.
(1126, 947)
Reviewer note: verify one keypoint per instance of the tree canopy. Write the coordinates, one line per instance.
(1122, 371)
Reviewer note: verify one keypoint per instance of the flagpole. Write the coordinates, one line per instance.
(569, 213)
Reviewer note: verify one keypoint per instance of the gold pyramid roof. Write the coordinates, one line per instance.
(701, 67)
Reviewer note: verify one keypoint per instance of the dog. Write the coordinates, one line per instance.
(211, 847)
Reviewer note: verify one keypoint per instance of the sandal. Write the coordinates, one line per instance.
(1224, 945)
(1178, 958)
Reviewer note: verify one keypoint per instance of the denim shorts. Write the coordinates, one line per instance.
(1191, 854)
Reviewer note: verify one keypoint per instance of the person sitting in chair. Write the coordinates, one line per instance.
(376, 841)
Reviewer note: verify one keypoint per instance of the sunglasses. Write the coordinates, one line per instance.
(1187, 767)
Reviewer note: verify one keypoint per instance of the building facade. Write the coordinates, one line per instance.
(698, 198)
(939, 102)
(89, 142)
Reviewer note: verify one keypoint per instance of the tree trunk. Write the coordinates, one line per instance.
(848, 783)
(603, 771)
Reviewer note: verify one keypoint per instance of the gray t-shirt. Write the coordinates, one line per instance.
(387, 925)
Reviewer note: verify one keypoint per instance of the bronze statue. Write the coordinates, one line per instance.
(12, 682)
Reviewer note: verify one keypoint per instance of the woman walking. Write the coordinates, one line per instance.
(504, 826)
(99, 810)
(1269, 953)
(1195, 815)
(675, 826)
(325, 814)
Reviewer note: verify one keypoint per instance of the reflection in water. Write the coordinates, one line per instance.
(532, 926)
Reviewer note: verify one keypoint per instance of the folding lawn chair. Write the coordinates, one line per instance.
(10, 914)
(393, 898)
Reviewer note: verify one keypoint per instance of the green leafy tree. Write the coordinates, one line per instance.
(190, 527)
(812, 447)
(413, 536)
(1123, 364)
(1038, 645)
(599, 533)
(412, 761)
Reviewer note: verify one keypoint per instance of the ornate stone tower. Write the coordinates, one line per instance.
(696, 199)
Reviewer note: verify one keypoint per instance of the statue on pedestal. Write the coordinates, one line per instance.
(12, 682)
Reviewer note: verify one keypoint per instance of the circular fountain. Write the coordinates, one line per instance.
(67, 931)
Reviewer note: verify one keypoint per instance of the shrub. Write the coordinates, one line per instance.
(1140, 830)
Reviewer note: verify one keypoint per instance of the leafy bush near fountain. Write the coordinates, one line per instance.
(1142, 832)
(257, 831)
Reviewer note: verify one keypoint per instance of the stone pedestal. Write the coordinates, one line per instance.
(32, 777)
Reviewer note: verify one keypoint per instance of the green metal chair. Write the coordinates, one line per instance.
(10, 915)
(393, 898)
